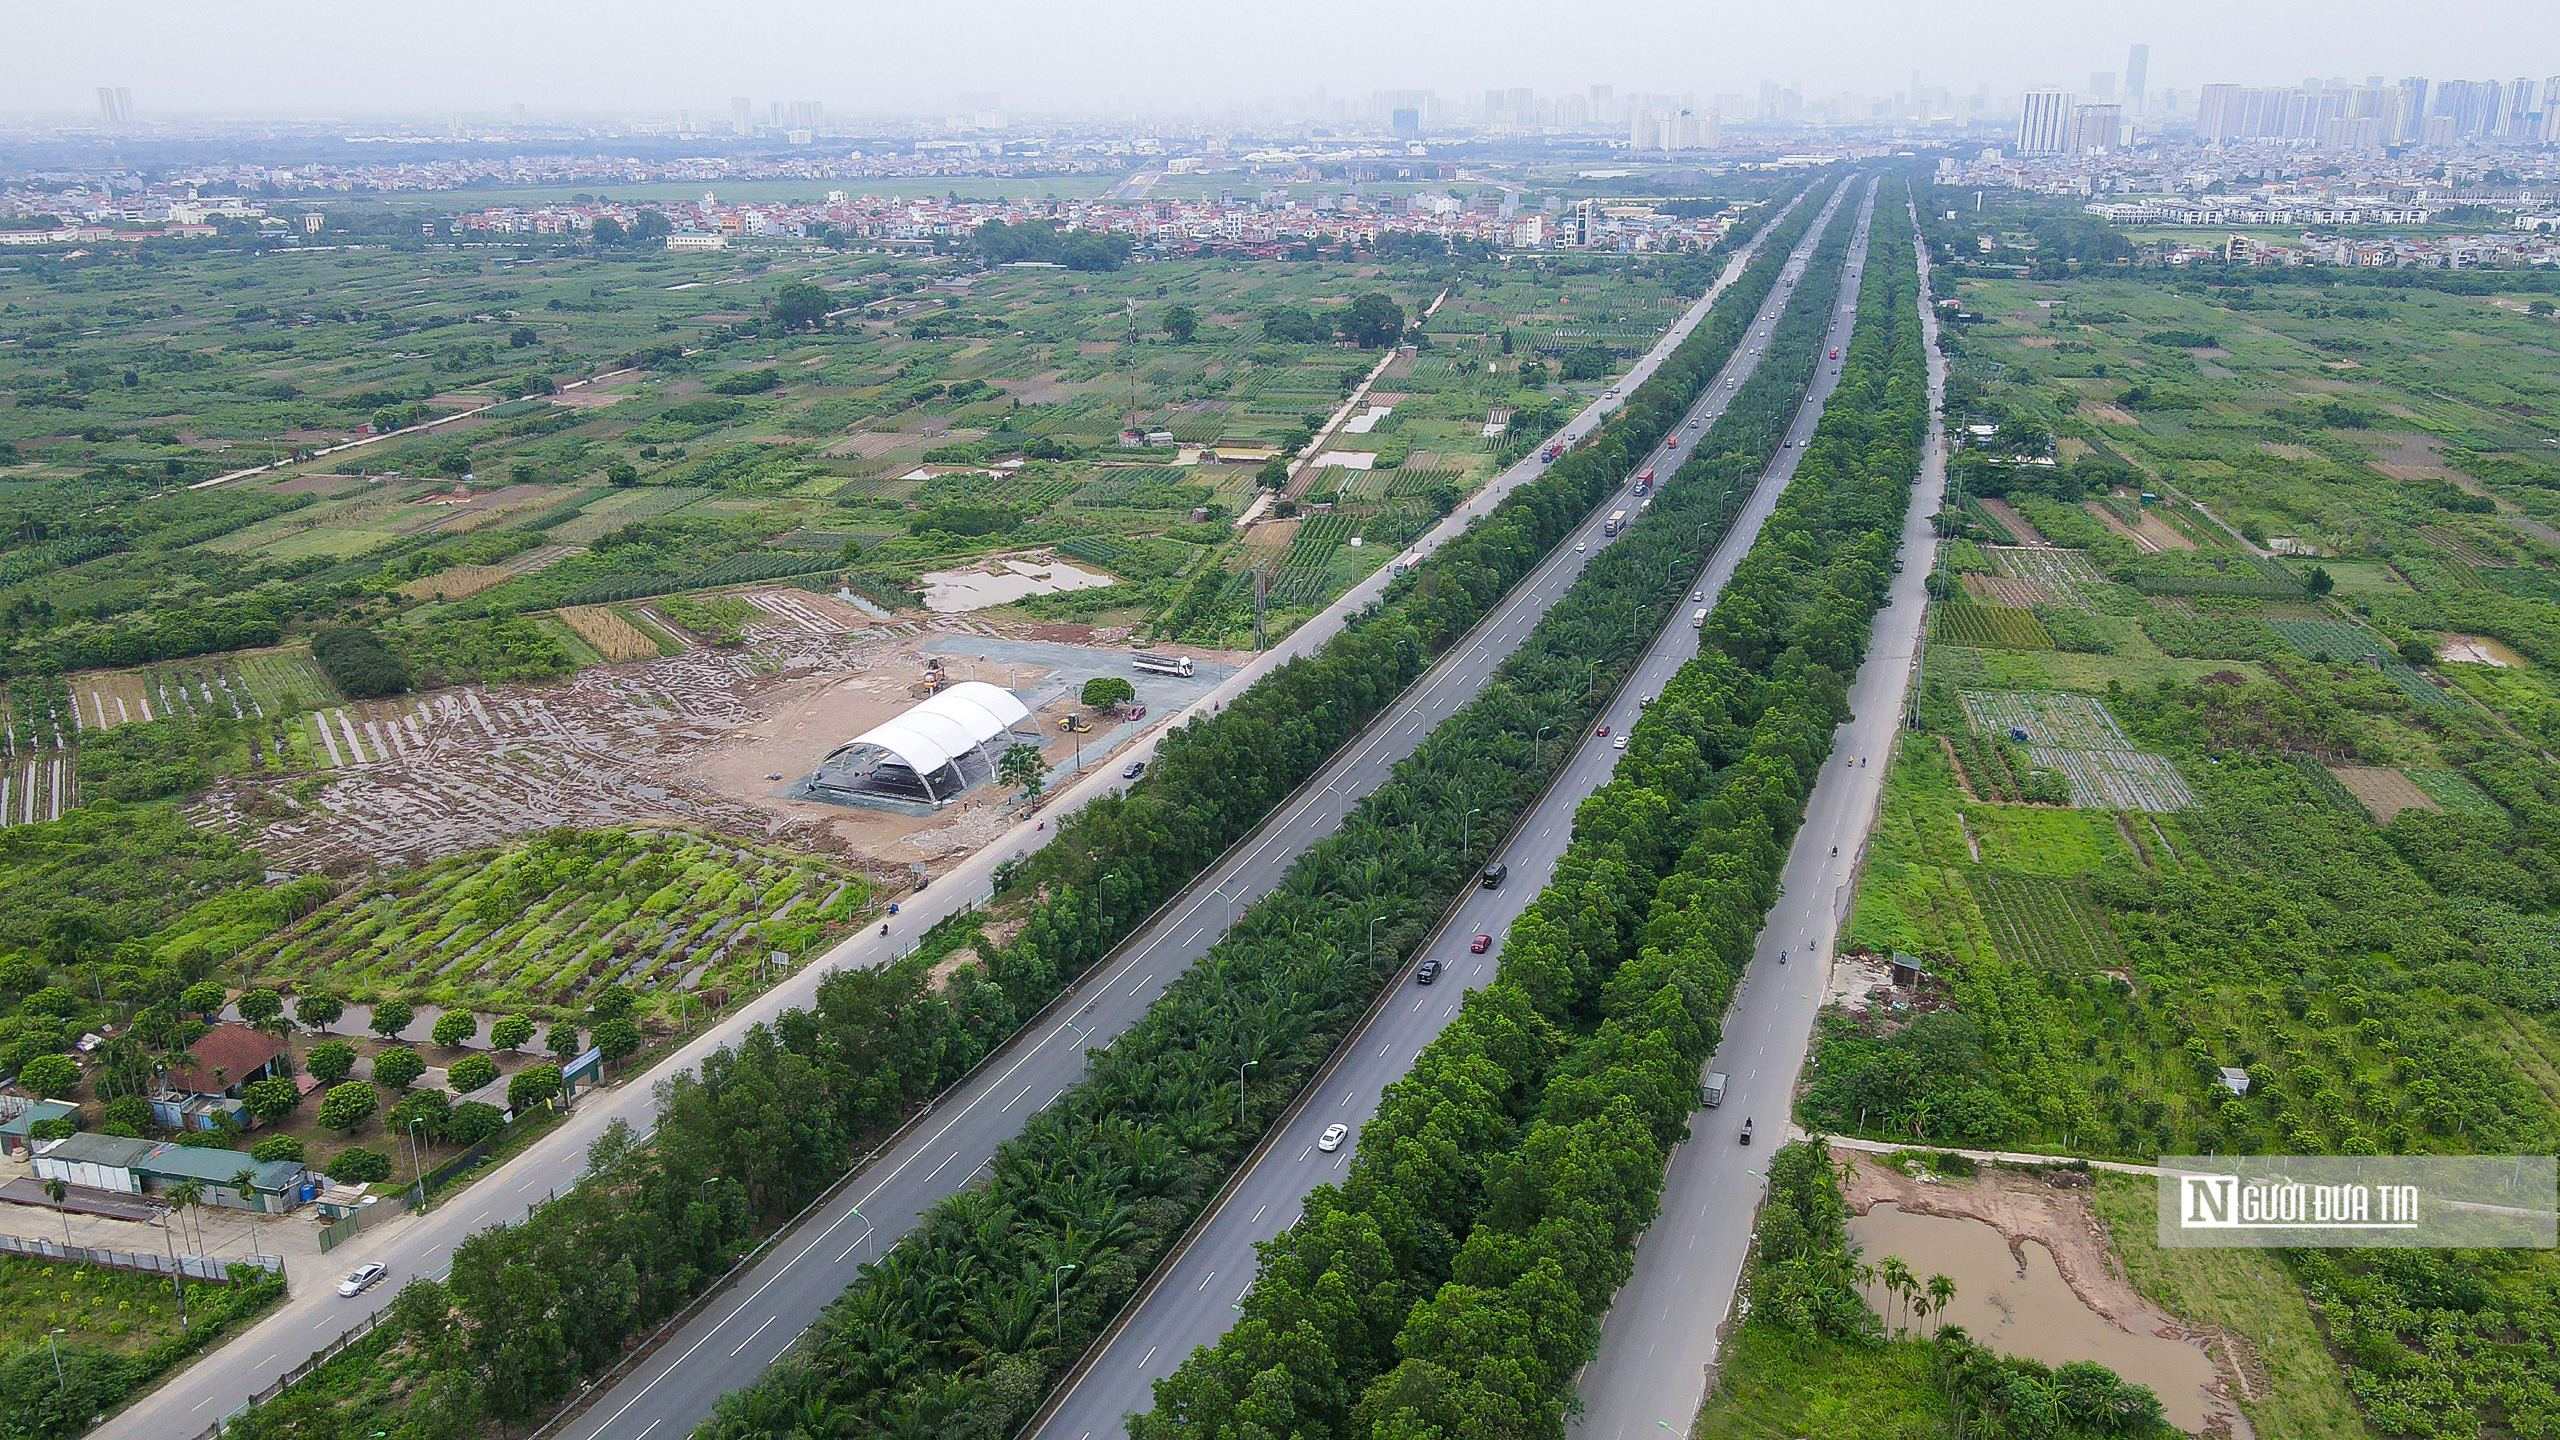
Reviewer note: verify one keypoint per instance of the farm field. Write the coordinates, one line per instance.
(2309, 824)
(541, 926)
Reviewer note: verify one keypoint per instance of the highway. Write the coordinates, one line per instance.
(1660, 1337)
(1193, 1299)
(773, 1301)
(224, 1380)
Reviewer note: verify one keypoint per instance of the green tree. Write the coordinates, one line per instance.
(277, 1147)
(1104, 692)
(398, 1067)
(357, 1165)
(531, 1086)
(1021, 765)
(430, 1109)
(330, 1061)
(611, 1003)
(2540, 309)
(799, 305)
(511, 1032)
(608, 231)
(205, 997)
(470, 1073)
(271, 1100)
(649, 227)
(622, 473)
(617, 1037)
(562, 1040)
(473, 1121)
(1372, 320)
(1181, 322)
(455, 1027)
(49, 1076)
(390, 1017)
(2320, 581)
(2416, 653)
(260, 1006)
(1273, 474)
(318, 1009)
(348, 1104)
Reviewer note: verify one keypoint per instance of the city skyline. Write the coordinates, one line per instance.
(298, 60)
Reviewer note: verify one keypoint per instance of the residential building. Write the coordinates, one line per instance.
(204, 1092)
(2044, 127)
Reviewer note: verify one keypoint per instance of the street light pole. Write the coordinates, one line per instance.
(58, 1382)
(417, 1167)
(1058, 1298)
(177, 1281)
(1240, 1069)
(1466, 830)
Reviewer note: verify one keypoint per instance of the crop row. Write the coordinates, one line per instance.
(756, 1131)
(1493, 1205)
(1960, 621)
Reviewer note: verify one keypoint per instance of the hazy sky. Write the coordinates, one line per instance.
(386, 56)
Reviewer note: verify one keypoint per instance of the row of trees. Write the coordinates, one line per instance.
(1496, 1198)
(1020, 1275)
(764, 1126)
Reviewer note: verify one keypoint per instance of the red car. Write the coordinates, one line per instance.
(1835, 352)
(1671, 444)
(1604, 732)
(1480, 944)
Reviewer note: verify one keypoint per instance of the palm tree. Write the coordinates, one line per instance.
(184, 1194)
(1942, 1293)
(57, 1192)
(1897, 1278)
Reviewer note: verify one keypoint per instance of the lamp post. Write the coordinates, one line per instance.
(1100, 900)
(1058, 1298)
(58, 1382)
(417, 1167)
(1466, 829)
(1240, 1069)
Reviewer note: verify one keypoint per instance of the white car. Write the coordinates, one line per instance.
(1332, 1138)
(361, 1279)
(1579, 547)
(1618, 744)
(1697, 595)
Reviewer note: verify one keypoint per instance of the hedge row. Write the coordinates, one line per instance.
(765, 1126)
(963, 1328)
(1454, 1282)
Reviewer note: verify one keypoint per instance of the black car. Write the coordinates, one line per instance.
(1426, 972)
(1133, 769)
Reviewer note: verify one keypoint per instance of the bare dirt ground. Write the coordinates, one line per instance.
(690, 738)
(2025, 1209)
(2476, 650)
(2153, 534)
(2111, 414)
(2383, 790)
(2005, 590)
(2017, 524)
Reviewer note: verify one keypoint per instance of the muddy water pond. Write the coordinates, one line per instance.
(2031, 1311)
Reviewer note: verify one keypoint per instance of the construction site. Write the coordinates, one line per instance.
(732, 737)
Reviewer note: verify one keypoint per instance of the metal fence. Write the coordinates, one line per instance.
(340, 1231)
(198, 1267)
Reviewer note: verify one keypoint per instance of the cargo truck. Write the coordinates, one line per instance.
(1715, 1087)
(1162, 664)
(1617, 522)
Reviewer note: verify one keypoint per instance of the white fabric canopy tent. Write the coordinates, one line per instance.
(939, 730)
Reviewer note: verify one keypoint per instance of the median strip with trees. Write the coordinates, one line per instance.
(1456, 1278)
(764, 1127)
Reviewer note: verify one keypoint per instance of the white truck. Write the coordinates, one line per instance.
(1715, 1087)
(1162, 664)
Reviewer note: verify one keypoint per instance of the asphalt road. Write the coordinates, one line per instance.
(1660, 1337)
(769, 1306)
(222, 1382)
(1195, 1299)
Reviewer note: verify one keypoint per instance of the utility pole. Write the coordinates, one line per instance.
(1261, 596)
